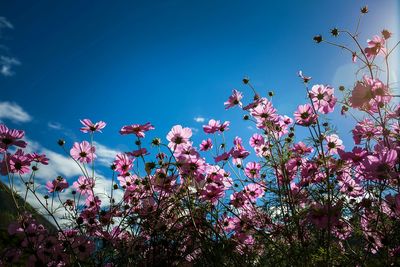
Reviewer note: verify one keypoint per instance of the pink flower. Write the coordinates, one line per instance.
(323, 99)
(136, 129)
(128, 182)
(19, 162)
(178, 136)
(206, 145)
(234, 99)
(123, 163)
(381, 165)
(253, 191)
(39, 158)
(304, 115)
(224, 156)
(57, 185)
(10, 137)
(305, 79)
(89, 126)
(84, 185)
(256, 140)
(252, 170)
(375, 47)
(301, 149)
(368, 93)
(264, 112)
(334, 143)
(83, 152)
(215, 126)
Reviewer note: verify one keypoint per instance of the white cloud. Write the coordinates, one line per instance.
(4, 24)
(199, 119)
(12, 111)
(6, 65)
(105, 155)
(54, 125)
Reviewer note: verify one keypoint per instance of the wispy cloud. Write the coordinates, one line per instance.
(14, 112)
(105, 155)
(54, 125)
(199, 119)
(5, 24)
(7, 64)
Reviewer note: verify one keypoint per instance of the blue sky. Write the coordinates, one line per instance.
(168, 62)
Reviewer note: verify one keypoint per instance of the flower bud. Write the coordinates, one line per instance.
(364, 10)
(317, 38)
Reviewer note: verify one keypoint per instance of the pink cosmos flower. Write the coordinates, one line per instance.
(305, 79)
(381, 165)
(323, 99)
(84, 185)
(305, 116)
(253, 191)
(57, 185)
(136, 129)
(89, 126)
(234, 99)
(138, 153)
(252, 170)
(10, 137)
(19, 162)
(224, 156)
(178, 136)
(264, 112)
(215, 126)
(83, 152)
(39, 158)
(256, 140)
(375, 47)
(128, 182)
(123, 163)
(301, 149)
(334, 143)
(206, 145)
(367, 130)
(369, 93)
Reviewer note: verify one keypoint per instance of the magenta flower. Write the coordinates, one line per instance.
(369, 94)
(234, 99)
(256, 140)
(215, 126)
(323, 99)
(19, 162)
(39, 158)
(304, 115)
(83, 152)
(57, 185)
(381, 165)
(334, 143)
(375, 47)
(252, 170)
(10, 137)
(84, 185)
(136, 129)
(89, 126)
(178, 136)
(305, 79)
(253, 191)
(123, 163)
(206, 145)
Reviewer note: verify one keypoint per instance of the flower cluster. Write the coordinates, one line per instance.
(230, 200)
